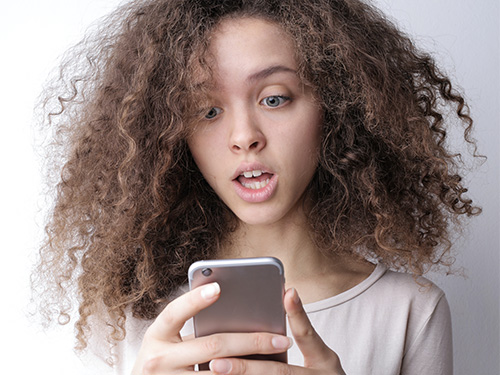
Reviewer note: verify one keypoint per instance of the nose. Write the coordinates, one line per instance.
(246, 134)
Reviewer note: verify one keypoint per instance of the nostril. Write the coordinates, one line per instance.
(247, 145)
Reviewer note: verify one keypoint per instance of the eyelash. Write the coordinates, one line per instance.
(218, 110)
(281, 98)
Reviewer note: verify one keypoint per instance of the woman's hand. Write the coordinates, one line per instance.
(318, 358)
(163, 351)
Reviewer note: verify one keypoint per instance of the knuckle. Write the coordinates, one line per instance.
(191, 298)
(165, 320)
(241, 366)
(213, 345)
(307, 332)
(259, 342)
(168, 316)
(151, 366)
(310, 332)
(283, 369)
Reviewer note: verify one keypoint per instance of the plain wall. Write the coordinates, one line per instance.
(463, 35)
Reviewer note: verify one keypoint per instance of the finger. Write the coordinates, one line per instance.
(204, 349)
(188, 337)
(159, 365)
(173, 317)
(238, 366)
(316, 353)
(240, 344)
(304, 334)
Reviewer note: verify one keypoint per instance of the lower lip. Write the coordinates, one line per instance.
(257, 195)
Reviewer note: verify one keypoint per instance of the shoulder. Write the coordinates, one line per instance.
(387, 295)
(416, 302)
(404, 297)
(412, 308)
(401, 282)
(384, 290)
(392, 316)
(406, 288)
(426, 319)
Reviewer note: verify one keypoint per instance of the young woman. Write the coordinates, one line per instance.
(310, 131)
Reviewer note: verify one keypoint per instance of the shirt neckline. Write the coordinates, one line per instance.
(349, 294)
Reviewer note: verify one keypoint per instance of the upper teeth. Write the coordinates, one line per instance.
(250, 174)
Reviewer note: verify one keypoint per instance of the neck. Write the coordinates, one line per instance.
(314, 275)
(291, 244)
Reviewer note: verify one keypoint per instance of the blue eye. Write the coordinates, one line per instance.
(275, 100)
(212, 113)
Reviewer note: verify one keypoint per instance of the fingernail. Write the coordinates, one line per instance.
(220, 366)
(281, 342)
(296, 298)
(210, 291)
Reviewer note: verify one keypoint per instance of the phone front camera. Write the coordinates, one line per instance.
(206, 272)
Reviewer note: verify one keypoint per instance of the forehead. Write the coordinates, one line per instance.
(247, 30)
(245, 48)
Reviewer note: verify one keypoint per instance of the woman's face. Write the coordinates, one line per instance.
(258, 136)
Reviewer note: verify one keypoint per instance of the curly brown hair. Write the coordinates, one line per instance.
(132, 211)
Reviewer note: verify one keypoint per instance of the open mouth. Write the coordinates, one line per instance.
(255, 179)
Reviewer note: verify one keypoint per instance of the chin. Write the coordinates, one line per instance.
(260, 217)
(256, 217)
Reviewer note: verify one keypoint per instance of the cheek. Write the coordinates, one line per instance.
(206, 144)
(198, 151)
(316, 130)
(307, 137)
(204, 155)
(307, 146)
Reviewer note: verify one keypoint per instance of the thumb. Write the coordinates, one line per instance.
(316, 353)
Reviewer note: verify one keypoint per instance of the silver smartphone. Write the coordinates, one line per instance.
(251, 299)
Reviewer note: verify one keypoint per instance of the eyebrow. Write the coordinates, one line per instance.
(264, 73)
(261, 74)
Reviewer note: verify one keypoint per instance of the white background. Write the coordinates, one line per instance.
(463, 34)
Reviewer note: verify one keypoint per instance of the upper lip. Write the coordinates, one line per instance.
(246, 167)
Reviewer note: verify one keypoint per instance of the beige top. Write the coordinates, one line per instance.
(389, 324)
